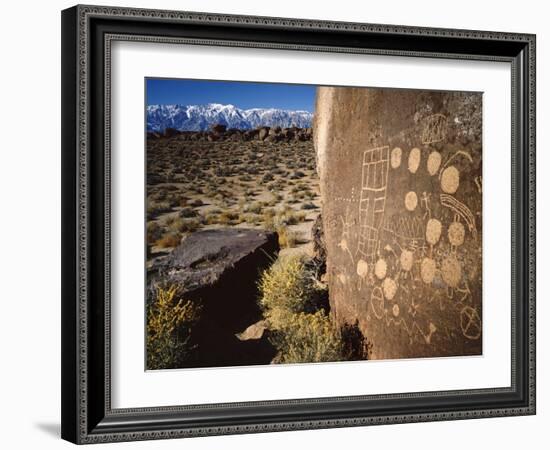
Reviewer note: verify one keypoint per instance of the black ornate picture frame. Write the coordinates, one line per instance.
(87, 35)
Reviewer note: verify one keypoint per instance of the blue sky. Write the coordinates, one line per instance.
(244, 95)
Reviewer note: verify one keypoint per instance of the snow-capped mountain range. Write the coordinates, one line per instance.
(201, 117)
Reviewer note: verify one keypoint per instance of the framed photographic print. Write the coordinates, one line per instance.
(281, 224)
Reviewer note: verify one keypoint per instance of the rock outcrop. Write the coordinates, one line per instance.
(400, 176)
(220, 269)
(221, 133)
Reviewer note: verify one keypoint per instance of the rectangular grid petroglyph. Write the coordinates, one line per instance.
(374, 177)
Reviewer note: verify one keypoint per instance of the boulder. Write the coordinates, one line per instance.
(273, 138)
(218, 128)
(255, 331)
(236, 137)
(274, 131)
(170, 132)
(220, 269)
(287, 134)
(400, 178)
(250, 135)
(263, 132)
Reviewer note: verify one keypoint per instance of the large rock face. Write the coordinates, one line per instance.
(220, 268)
(401, 196)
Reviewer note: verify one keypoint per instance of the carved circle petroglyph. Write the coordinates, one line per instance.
(427, 270)
(395, 310)
(414, 160)
(395, 158)
(451, 271)
(380, 269)
(470, 322)
(450, 179)
(456, 233)
(406, 260)
(362, 268)
(390, 288)
(434, 161)
(411, 200)
(433, 231)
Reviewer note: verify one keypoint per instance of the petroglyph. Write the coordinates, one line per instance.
(450, 179)
(395, 160)
(374, 178)
(460, 209)
(434, 161)
(389, 286)
(414, 160)
(451, 271)
(456, 233)
(362, 268)
(456, 154)
(435, 129)
(477, 181)
(377, 302)
(406, 260)
(425, 201)
(470, 322)
(346, 235)
(410, 252)
(433, 231)
(395, 310)
(380, 269)
(411, 200)
(427, 270)
(407, 231)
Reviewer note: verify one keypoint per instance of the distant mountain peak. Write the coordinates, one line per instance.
(202, 117)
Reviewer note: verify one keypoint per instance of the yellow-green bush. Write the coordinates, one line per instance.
(286, 285)
(169, 327)
(307, 338)
(287, 238)
(300, 331)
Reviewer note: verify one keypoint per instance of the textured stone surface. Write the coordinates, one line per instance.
(401, 206)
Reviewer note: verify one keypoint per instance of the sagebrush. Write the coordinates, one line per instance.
(300, 331)
(170, 322)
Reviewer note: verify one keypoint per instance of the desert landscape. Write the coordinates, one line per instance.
(235, 256)
(254, 179)
(283, 236)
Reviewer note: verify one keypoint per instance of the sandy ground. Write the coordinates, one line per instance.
(207, 185)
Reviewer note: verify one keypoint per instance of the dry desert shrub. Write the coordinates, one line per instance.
(170, 323)
(179, 225)
(287, 237)
(154, 208)
(299, 330)
(154, 232)
(170, 239)
(307, 338)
